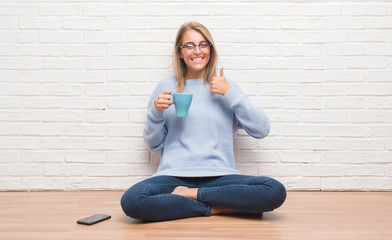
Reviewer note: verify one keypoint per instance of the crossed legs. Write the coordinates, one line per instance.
(166, 197)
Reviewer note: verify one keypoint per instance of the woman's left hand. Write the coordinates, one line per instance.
(220, 84)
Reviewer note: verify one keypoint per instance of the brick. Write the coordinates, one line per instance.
(62, 63)
(344, 157)
(47, 50)
(317, 170)
(43, 130)
(41, 23)
(9, 23)
(366, 62)
(301, 183)
(342, 183)
(62, 90)
(127, 50)
(286, 170)
(43, 183)
(85, 76)
(91, 183)
(89, 157)
(20, 116)
(301, 130)
(245, 156)
(344, 131)
(38, 76)
(104, 9)
(85, 23)
(66, 170)
(123, 183)
(58, 9)
(90, 50)
(10, 156)
(9, 76)
(327, 116)
(60, 36)
(134, 102)
(302, 157)
(85, 130)
(91, 103)
(125, 131)
(128, 76)
(105, 144)
(9, 50)
(128, 157)
(364, 170)
(19, 89)
(315, 10)
(19, 63)
(21, 9)
(58, 143)
(102, 63)
(22, 170)
(11, 183)
(40, 156)
(348, 23)
(299, 23)
(63, 116)
(19, 36)
(106, 116)
(367, 9)
(105, 37)
(111, 170)
(377, 183)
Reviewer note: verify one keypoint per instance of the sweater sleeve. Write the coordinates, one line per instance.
(246, 115)
(155, 130)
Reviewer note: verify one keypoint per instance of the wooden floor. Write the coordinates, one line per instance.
(305, 215)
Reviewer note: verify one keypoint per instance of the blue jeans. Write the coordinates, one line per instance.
(151, 200)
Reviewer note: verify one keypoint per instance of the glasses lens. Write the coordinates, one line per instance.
(204, 45)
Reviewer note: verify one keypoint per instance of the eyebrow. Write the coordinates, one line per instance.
(195, 43)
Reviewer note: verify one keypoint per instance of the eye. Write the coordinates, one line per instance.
(189, 46)
(204, 44)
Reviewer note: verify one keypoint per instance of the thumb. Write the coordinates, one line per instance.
(221, 72)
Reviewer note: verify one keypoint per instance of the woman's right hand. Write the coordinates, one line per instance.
(163, 101)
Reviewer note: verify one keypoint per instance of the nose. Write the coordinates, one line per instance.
(197, 50)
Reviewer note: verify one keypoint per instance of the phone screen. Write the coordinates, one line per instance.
(93, 219)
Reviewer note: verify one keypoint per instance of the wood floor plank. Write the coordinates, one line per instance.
(305, 215)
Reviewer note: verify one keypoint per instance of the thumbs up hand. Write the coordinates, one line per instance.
(220, 84)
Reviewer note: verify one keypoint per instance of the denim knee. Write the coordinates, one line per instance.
(278, 194)
(131, 203)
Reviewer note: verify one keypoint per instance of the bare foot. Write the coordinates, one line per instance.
(186, 192)
(221, 210)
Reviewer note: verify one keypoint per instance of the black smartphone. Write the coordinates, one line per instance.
(93, 219)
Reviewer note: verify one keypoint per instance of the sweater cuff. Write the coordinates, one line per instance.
(155, 112)
(231, 96)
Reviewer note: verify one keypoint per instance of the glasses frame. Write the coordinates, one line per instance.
(185, 46)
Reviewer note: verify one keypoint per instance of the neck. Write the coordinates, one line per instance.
(194, 75)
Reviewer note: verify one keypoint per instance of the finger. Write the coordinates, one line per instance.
(221, 72)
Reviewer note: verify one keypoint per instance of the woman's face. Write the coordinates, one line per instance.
(195, 58)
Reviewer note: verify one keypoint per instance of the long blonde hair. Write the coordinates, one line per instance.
(179, 64)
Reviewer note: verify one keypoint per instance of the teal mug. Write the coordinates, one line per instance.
(182, 103)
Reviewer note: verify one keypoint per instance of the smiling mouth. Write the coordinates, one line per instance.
(198, 59)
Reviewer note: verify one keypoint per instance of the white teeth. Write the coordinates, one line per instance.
(197, 59)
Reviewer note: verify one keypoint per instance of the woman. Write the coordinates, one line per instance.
(196, 175)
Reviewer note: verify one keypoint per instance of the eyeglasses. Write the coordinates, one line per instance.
(203, 46)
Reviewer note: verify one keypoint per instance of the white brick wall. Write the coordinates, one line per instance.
(75, 78)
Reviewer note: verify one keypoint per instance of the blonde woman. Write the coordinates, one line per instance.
(196, 175)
